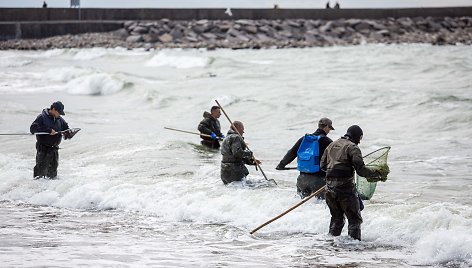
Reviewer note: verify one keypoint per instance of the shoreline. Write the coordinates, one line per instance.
(256, 34)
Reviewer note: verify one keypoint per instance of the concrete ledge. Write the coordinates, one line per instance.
(54, 14)
(28, 30)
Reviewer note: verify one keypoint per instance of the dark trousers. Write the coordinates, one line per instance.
(47, 161)
(342, 203)
(309, 183)
(233, 172)
(213, 144)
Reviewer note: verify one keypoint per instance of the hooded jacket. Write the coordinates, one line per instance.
(234, 157)
(209, 125)
(341, 158)
(46, 123)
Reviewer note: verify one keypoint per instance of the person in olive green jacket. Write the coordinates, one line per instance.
(339, 160)
(235, 155)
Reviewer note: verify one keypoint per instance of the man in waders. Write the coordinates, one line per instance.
(211, 126)
(340, 159)
(235, 155)
(47, 145)
(309, 182)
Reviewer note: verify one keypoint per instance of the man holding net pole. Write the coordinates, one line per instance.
(340, 159)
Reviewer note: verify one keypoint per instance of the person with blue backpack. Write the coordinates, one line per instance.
(308, 150)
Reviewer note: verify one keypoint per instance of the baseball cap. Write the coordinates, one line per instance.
(59, 107)
(326, 122)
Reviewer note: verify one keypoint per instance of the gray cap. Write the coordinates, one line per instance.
(326, 122)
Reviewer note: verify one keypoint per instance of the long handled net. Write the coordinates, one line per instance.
(376, 160)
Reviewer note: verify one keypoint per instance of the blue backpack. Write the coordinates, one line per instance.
(308, 155)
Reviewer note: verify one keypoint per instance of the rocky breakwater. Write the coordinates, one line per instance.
(239, 34)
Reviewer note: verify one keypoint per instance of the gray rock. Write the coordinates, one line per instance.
(383, 33)
(433, 26)
(362, 26)
(286, 34)
(263, 38)
(198, 29)
(377, 26)
(202, 22)
(264, 29)
(121, 33)
(140, 29)
(134, 39)
(245, 22)
(127, 24)
(326, 27)
(406, 23)
(150, 38)
(166, 38)
(177, 33)
(250, 29)
(338, 31)
(294, 24)
(190, 39)
(223, 27)
(209, 36)
(352, 22)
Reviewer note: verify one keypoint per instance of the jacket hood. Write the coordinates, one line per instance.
(207, 115)
(354, 133)
(231, 131)
(46, 112)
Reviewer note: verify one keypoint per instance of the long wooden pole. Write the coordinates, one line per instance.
(190, 132)
(234, 128)
(319, 191)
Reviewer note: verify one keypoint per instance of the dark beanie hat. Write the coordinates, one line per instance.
(354, 132)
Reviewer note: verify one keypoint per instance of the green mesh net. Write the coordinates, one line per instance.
(376, 160)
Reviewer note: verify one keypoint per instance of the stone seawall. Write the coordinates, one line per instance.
(238, 34)
(62, 14)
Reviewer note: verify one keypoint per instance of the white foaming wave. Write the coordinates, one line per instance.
(451, 247)
(12, 62)
(439, 233)
(25, 82)
(180, 62)
(444, 237)
(66, 74)
(89, 54)
(50, 53)
(95, 84)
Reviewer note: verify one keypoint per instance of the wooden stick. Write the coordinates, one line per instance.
(322, 189)
(234, 128)
(190, 132)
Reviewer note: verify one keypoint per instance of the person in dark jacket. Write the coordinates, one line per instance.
(211, 126)
(47, 155)
(308, 183)
(340, 159)
(235, 155)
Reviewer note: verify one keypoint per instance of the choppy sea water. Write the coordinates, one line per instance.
(132, 194)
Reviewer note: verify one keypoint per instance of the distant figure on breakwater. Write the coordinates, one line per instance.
(327, 5)
(336, 6)
(45, 5)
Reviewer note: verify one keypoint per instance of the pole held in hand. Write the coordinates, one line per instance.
(234, 128)
(74, 130)
(319, 191)
(190, 132)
